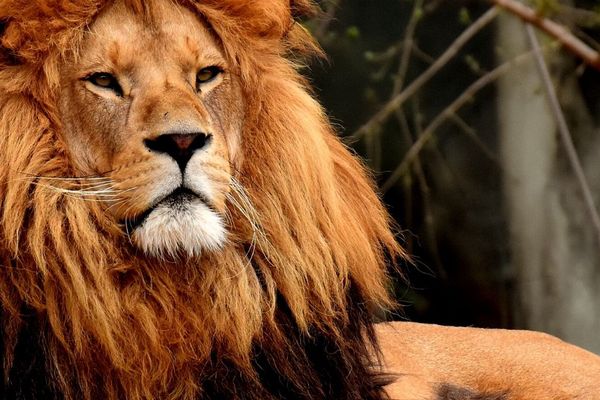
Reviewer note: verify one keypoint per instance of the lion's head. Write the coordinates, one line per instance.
(177, 218)
(152, 115)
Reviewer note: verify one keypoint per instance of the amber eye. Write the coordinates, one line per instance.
(206, 75)
(107, 81)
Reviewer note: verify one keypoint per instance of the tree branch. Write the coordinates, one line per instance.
(564, 132)
(448, 112)
(557, 31)
(407, 49)
(390, 107)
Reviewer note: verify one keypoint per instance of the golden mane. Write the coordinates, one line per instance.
(306, 254)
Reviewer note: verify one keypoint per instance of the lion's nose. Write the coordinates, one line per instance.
(180, 146)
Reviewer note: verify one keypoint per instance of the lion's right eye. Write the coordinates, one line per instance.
(106, 81)
(206, 75)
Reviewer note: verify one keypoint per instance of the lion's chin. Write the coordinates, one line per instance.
(182, 229)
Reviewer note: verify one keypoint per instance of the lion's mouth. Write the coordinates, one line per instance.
(182, 223)
(178, 200)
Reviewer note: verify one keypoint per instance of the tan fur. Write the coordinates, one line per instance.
(518, 365)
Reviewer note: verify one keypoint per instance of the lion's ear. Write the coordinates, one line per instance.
(277, 17)
(4, 52)
(268, 19)
(291, 32)
(7, 55)
(294, 11)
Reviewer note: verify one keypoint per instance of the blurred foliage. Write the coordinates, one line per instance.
(545, 7)
(449, 204)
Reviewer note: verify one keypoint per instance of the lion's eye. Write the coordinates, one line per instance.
(206, 75)
(107, 81)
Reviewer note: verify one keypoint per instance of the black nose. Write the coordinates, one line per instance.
(180, 146)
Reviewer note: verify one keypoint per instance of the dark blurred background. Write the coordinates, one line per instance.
(489, 206)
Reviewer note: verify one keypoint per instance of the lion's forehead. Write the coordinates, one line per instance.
(166, 35)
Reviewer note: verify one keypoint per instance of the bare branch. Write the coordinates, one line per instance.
(472, 135)
(448, 112)
(419, 53)
(382, 116)
(557, 31)
(407, 49)
(428, 214)
(563, 129)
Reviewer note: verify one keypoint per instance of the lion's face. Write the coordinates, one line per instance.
(152, 117)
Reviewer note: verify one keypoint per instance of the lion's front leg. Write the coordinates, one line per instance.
(435, 362)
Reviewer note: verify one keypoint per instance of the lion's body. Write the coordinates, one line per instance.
(177, 217)
(444, 363)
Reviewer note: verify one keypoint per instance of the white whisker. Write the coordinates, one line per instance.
(68, 178)
(240, 200)
(109, 193)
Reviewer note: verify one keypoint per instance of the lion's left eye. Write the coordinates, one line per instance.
(206, 75)
(106, 81)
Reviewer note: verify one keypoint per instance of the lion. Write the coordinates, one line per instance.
(178, 220)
